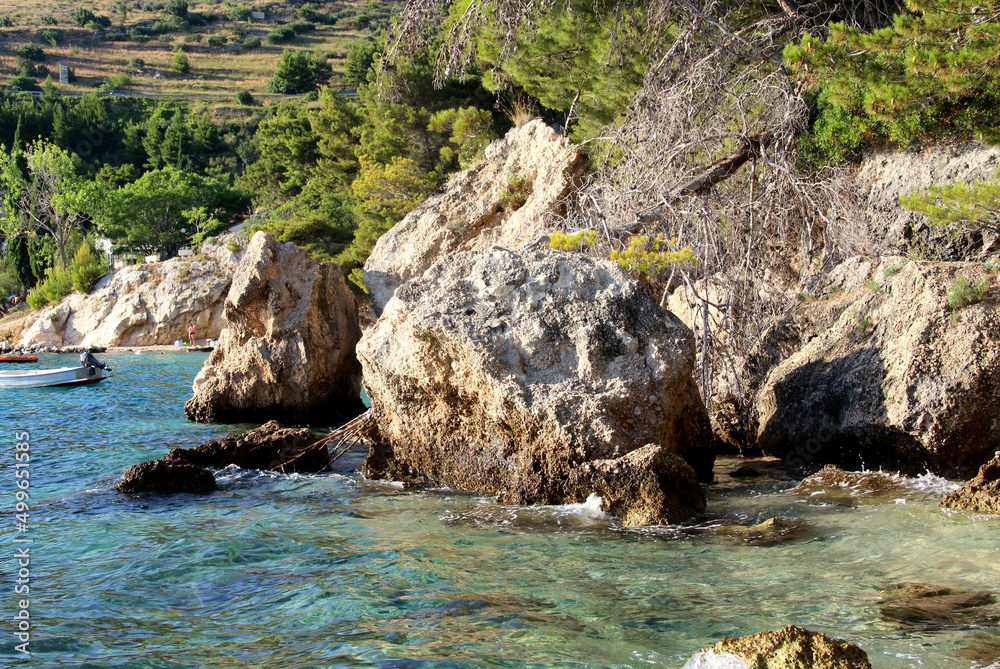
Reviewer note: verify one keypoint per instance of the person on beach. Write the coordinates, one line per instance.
(191, 333)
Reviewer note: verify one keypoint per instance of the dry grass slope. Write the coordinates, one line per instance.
(226, 69)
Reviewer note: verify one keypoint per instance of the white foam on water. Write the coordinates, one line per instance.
(591, 508)
(712, 660)
(932, 483)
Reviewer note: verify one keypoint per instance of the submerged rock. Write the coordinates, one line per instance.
(791, 647)
(478, 208)
(981, 494)
(167, 476)
(502, 373)
(929, 606)
(770, 532)
(834, 480)
(269, 447)
(888, 375)
(288, 348)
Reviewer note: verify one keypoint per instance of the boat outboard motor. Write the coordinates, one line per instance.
(88, 360)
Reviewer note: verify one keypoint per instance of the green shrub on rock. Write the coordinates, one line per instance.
(88, 267)
(53, 289)
(961, 293)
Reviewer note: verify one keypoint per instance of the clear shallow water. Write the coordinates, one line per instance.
(336, 571)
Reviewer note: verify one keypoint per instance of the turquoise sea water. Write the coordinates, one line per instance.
(336, 571)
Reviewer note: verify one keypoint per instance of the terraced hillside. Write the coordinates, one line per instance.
(176, 46)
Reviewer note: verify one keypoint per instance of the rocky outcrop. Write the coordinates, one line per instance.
(502, 373)
(887, 175)
(287, 351)
(271, 446)
(981, 494)
(481, 207)
(143, 305)
(888, 375)
(167, 476)
(791, 647)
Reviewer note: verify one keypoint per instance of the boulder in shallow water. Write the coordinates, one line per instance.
(167, 476)
(287, 351)
(502, 373)
(981, 494)
(791, 647)
(649, 486)
(144, 305)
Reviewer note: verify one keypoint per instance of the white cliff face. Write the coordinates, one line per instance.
(143, 305)
(886, 175)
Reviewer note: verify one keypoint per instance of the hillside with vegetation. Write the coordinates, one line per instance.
(181, 47)
(719, 137)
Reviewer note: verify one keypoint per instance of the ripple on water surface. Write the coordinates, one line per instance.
(336, 571)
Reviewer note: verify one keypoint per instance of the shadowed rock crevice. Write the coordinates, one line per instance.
(887, 374)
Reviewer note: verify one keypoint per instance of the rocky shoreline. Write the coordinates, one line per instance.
(66, 350)
(498, 366)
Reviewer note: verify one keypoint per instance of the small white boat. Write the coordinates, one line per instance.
(43, 378)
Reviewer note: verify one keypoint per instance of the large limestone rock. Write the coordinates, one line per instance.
(505, 373)
(288, 348)
(791, 647)
(982, 493)
(143, 305)
(887, 374)
(886, 175)
(473, 214)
